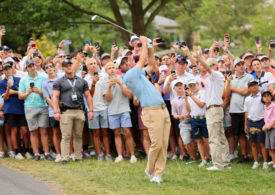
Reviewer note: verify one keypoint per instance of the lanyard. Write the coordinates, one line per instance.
(72, 84)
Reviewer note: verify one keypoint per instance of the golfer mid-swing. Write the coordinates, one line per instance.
(154, 112)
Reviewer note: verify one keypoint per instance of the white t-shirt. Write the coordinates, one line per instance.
(254, 107)
(215, 89)
(264, 81)
(184, 78)
(195, 109)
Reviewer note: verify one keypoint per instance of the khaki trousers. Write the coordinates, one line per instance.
(71, 120)
(219, 148)
(157, 120)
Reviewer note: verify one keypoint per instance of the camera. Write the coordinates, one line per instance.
(31, 84)
(183, 43)
(173, 72)
(272, 44)
(88, 42)
(160, 40)
(115, 43)
(257, 39)
(96, 44)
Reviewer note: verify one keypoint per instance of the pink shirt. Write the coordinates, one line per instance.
(179, 108)
(269, 114)
(203, 79)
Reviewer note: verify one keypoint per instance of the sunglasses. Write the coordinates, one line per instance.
(135, 39)
(49, 66)
(165, 58)
(216, 50)
(61, 56)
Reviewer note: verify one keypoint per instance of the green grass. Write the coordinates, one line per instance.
(93, 177)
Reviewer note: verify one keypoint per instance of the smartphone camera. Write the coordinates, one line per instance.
(31, 84)
(173, 72)
(257, 39)
(160, 40)
(96, 44)
(220, 43)
(95, 73)
(139, 45)
(88, 42)
(115, 43)
(272, 44)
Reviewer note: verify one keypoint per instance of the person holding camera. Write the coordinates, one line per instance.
(36, 109)
(237, 91)
(14, 111)
(68, 104)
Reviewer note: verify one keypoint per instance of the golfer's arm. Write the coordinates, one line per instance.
(151, 61)
(143, 57)
(205, 65)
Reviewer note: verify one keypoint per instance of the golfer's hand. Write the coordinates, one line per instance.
(143, 39)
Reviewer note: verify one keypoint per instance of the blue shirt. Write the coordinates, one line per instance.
(33, 100)
(253, 73)
(13, 105)
(141, 87)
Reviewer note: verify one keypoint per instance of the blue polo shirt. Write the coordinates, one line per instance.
(33, 100)
(13, 105)
(141, 87)
(253, 73)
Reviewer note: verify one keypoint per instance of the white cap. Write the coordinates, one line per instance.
(237, 61)
(211, 61)
(125, 51)
(178, 81)
(247, 55)
(9, 59)
(132, 37)
(119, 60)
(263, 57)
(163, 68)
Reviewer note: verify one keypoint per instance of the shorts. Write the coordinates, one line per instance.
(185, 132)
(175, 124)
(53, 122)
(237, 120)
(199, 128)
(255, 132)
(270, 139)
(169, 108)
(100, 120)
(120, 120)
(37, 117)
(227, 118)
(16, 120)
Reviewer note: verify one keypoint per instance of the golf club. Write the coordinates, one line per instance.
(94, 17)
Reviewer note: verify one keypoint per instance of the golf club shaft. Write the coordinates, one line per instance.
(117, 25)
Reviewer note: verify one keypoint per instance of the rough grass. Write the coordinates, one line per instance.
(93, 177)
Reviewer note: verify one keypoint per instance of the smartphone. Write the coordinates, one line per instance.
(35, 55)
(173, 72)
(162, 74)
(3, 27)
(88, 42)
(115, 43)
(272, 44)
(31, 84)
(67, 42)
(96, 44)
(95, 73)
(31, 39)
(160, 40)
(226, 37)
(33, 45)
(257, 39)
(139, 45)
(220, 43)
(228, 72)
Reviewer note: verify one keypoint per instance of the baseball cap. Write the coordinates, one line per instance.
(178, 81)
(192, 81)
(65, 62)
(29, 62)
(220, 59)
(211, 61)
(205, 50)
(105, 55)
(237, 61)
(266, 91)
(125, 51)
(9, 59)
(181, 58)
(163, 68)
(5, 48)
(119, 60)
(263, 57)
(132, 38)
(7, 64)
(247, 55)
(252, 83)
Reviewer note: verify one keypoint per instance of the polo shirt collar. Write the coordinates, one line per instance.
(37, 75)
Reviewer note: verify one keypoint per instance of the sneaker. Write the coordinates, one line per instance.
(36, 157)
(100, 157)
(72, 157)
(185, 158)
(133, 159)
(181, 157)
(191, 160)
(156, 179)
(232, 157)
(86, 154)
(203, 163)
(148, 174)
(243, 159)
(228, 167)
(174, 157)
(19, 156)
(58, 158)
(63, 162)
(118, 159)
(108, 157)
(270, 163)
(42, 156)
(2, 154)
(236, 153)
(169, 155)
(11, 154)
(48, 157)
(28, 155)
(208, 160)
(213, 168)
(255, 165)
(265, 165)
(93, 153)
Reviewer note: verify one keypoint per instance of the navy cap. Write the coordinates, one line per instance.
(7, 64)
(65, 62)
(181, 58)
(252, 83)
